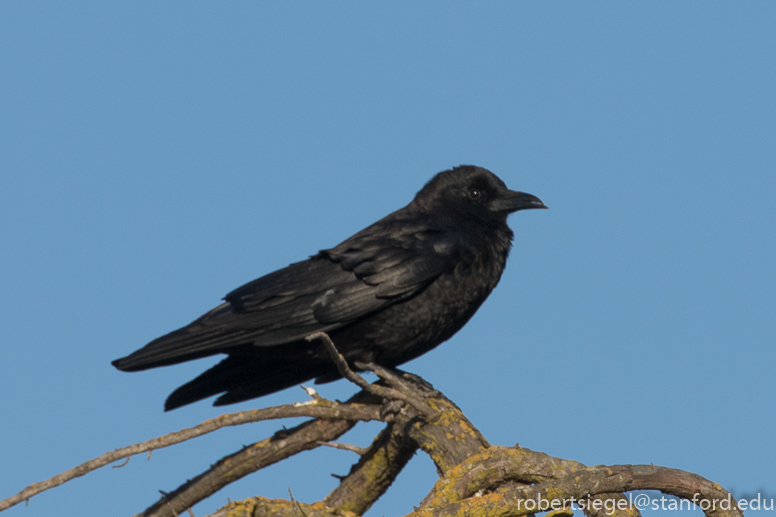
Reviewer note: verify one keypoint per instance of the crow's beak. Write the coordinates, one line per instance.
(512, 201)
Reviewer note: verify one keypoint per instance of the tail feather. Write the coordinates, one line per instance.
(241, 377)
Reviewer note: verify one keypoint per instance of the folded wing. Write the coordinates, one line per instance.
(334, 288)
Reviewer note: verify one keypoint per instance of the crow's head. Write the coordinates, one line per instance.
(469, 193)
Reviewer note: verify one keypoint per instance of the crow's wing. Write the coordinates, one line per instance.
(377, 267)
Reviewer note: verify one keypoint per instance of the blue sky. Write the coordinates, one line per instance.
(155, 156)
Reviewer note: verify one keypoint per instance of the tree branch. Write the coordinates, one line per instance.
(577, 487)
(283, 444)
(450, 438)
(498, 465)
(375, 471)
(319, 408)
(345, 447)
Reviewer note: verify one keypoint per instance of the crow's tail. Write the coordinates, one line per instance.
(241, 377)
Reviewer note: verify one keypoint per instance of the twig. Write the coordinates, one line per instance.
(124, 463)
(297, 508)
(345, 447)
(380, 391)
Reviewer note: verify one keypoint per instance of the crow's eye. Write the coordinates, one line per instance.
(475, 193)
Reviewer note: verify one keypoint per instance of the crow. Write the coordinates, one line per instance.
(386, 295)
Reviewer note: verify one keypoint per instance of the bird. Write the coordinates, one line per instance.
(386, 295)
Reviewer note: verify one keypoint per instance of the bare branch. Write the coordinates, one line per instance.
(322, 409)
(254, 457)
(344, 447)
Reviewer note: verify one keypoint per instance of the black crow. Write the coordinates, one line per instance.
(388, 294)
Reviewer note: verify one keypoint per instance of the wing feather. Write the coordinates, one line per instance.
(369, 271)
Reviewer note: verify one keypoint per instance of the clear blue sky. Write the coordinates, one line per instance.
(153, 156)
